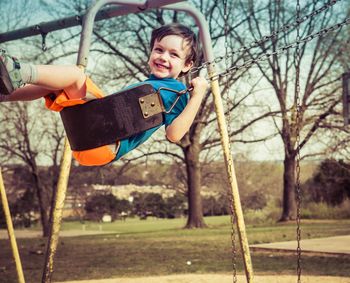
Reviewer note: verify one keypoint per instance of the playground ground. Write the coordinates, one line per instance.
(338, 245)
(218, 278)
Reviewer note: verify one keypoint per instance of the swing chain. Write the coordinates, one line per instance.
(265, 38)
(43, 42)
(285, 28)
(233, 239)
(297, 62)
(280, 50)
(43, 37)
(228, 119)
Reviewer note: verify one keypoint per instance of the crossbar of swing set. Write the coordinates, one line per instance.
(126, 7)
(10, 231)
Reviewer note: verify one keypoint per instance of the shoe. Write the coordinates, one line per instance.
(10, 78)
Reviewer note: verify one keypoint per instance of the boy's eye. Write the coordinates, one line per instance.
(158, 49)
(174, 54)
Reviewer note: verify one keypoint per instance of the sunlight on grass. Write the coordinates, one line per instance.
(160, 246)
(134, 225)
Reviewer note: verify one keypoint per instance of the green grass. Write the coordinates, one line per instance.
(158, 247)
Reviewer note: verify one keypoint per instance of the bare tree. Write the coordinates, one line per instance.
(29, 135)
(23, 139)
(314, 111)
(131, 65)
(122, 62)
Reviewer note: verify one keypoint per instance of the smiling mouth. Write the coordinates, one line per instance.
(160, 66)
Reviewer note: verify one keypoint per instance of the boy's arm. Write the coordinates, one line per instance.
(180, 126)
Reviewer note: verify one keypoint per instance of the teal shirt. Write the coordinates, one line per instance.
(168, 99)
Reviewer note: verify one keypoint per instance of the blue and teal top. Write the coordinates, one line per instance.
(168, 98)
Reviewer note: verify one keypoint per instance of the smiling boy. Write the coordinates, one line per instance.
(173, 53)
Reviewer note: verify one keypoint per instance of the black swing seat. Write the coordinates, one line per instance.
(115, 117)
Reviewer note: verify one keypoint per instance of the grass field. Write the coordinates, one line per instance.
(158, 247)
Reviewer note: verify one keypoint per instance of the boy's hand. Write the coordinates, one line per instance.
(200, 86)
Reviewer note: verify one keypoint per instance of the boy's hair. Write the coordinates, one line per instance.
(183, 31)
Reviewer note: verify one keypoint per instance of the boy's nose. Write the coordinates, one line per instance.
(164, 56)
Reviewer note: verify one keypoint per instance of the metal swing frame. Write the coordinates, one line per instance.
(126, 7)
(10, 231)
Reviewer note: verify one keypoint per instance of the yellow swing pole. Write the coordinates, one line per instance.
(237, 208)
(219, 109)
(56, 212)
(10, 230)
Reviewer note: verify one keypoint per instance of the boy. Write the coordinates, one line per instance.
(173, 53)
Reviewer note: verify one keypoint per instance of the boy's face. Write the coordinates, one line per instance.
(168, 57)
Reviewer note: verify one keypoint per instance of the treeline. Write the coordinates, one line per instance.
(142, 206)
(328, 184)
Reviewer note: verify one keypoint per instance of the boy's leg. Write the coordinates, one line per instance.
(46, 79)
(52, 78)
(27, 93)
(14, 74)
(56, 77)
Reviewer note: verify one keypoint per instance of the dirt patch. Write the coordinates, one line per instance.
(23, 233)
(217, 278)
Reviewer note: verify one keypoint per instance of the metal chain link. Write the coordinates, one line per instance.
(297, 59)
(228, 120)
(265, 38)
(280, 50)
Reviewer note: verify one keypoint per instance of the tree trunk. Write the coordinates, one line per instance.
(42, 203)
(289, 201)
(195, 211)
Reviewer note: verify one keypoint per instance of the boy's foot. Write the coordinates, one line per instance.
(10, 77)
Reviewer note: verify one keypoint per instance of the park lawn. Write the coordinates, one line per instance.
(158, 247)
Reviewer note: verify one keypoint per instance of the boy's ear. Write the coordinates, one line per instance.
(187, 67)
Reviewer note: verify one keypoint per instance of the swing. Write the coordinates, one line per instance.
(138, 109)
(115, 117)
(147, 114)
